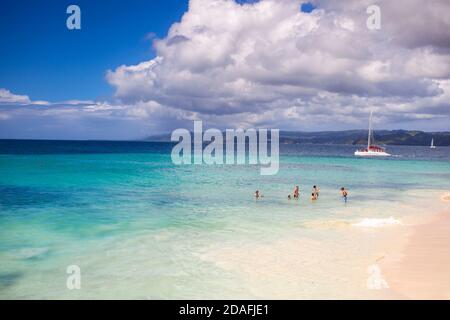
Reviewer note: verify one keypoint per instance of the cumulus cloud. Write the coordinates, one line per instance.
(269, 63)
(410, 23)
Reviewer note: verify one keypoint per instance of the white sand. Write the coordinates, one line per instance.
(421, 270)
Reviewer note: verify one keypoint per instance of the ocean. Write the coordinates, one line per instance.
(140, 227)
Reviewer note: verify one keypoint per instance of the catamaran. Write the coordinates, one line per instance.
(432, 144)
(372, 150)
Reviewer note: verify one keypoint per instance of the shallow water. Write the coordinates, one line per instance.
(140, 227)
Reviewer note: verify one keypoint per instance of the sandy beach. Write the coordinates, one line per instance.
(420, 269)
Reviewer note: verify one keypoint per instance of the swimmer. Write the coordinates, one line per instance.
(296, 192)
(289, 197)
(313, 196)
(344, 194)
(258, 194)
(316, 191)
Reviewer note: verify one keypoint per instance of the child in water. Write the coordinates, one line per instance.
(313, 196)
(344, 194)
(258, 194)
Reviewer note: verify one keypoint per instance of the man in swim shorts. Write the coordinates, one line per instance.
(344, 194)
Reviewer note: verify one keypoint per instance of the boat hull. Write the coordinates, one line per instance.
(371, 154)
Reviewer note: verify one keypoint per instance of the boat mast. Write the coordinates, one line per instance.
(370, 131)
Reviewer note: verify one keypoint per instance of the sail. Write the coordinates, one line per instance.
(369, 138)
(372, 149)
(432, 144)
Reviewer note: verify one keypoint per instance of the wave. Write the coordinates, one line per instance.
(377, 222)
(326, 224)
(31, 253)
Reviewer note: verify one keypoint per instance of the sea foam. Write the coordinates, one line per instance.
(377, 222)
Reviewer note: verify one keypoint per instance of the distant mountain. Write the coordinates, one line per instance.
(354, 137)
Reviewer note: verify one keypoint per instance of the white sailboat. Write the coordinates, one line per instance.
(372, 150)
(432, 144)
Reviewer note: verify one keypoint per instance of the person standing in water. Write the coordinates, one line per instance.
(313, 196)
(296, 192)
(316, 191)
(258, 194)
(344, 194)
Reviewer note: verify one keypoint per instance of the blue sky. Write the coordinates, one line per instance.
(41, 58)
(141, 67)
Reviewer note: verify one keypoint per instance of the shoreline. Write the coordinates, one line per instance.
(419, 266)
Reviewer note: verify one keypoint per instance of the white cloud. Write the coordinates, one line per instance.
(269, 63)
(7, 97)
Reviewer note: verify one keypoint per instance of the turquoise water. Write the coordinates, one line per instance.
(140, 227)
